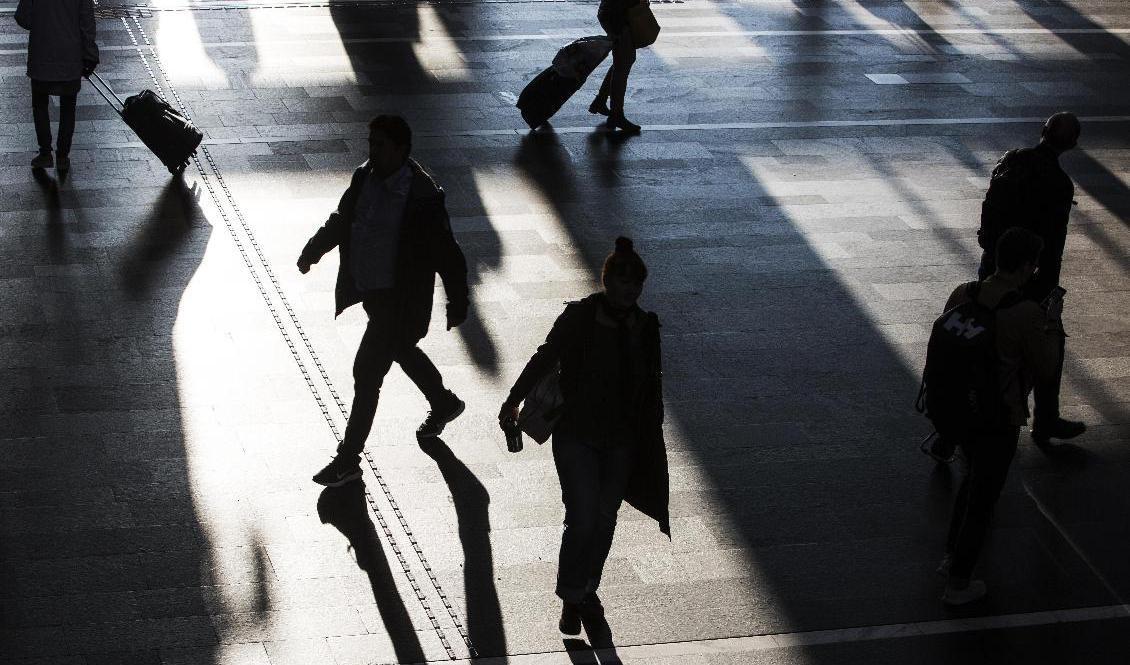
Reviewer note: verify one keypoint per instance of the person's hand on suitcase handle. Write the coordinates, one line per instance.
(88, 67)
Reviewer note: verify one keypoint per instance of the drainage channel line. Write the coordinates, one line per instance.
(212, 172)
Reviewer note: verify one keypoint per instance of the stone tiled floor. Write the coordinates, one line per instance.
(806, 194)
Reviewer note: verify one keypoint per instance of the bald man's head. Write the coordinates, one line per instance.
(1061, 131)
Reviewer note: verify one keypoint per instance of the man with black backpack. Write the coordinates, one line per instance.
(1029, 189)
(986, 351)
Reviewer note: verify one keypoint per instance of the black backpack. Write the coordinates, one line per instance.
(1013, 195)
(961, 391)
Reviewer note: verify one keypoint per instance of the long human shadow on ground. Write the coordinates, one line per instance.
(347, 510)
(472, 511)
(98, 468)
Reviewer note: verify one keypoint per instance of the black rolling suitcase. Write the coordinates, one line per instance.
(550, 89)
(168, 134)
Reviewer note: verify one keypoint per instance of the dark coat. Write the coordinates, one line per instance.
(427, 247)
(567, 342)
(1043, 207)
(61, 40)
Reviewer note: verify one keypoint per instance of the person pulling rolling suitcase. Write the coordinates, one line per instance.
(548, 92)
(168, 134)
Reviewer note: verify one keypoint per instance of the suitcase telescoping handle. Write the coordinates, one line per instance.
(104, 89)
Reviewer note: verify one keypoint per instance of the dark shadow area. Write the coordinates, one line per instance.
(99, 517)
(1098, 45)
(347, 510)
(472, 511)
(56, 231)
(147, 257)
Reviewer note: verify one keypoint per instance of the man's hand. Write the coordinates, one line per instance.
(508, 412)
(88, 67)
(303, 265)
(455, 315)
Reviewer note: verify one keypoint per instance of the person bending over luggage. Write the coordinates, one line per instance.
(608, 445)
(393, 235)
(1027, 352)
(613, 17)
(60, 51)
(1029, 189)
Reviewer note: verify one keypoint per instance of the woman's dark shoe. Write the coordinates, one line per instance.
(63, 164)
(570, 623)
(600, 106)
(618, 121)
(44, 160)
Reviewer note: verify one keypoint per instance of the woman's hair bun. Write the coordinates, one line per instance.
(624, 244)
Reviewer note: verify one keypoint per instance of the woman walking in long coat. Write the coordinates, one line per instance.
(608, 445)
(61, 49)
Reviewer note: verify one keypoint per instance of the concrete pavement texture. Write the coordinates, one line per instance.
(806, 193)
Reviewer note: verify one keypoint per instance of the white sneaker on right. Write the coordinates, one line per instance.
(954, 596)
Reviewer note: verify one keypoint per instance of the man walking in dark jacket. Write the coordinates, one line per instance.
(60, 51)
(1029, 189)
(393, 235)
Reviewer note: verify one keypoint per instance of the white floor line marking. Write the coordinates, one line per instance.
(667, 35)
(908, 122)
(648, 652)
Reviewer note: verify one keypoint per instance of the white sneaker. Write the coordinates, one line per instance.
(954, 596)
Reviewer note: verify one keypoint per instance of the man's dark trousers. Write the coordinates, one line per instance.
(381, 345)
(41, 115)
(989, 455)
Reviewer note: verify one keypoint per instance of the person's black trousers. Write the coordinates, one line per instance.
(39, 109)
(594, 480)
(1045, 394)
(989, 455)
(380, 347)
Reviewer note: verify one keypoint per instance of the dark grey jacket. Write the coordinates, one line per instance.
(61, 39)
(427, 247)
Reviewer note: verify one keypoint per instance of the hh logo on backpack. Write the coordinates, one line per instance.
(961, 390)
(966, 328)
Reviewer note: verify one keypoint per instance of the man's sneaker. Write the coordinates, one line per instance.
(570, 622)
(343, 469)
(44, 160)
(963, 595)
(944, 566)
(1058, 429)
(439, 416)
